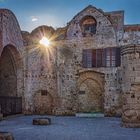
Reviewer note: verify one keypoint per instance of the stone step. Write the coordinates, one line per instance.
(6, 136)
(41, 121)
(89, 115)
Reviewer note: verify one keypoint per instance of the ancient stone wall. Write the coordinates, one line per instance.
(10, 30)
(106, 89)
(131, 35)
(117, 20)
(40, 73)
(53, 80)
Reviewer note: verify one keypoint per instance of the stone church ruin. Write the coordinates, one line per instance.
(91, 65)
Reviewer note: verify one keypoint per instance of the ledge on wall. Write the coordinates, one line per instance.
(90, 70)
(89, 115)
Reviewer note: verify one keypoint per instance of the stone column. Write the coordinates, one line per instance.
(131, 86)
(131, 107)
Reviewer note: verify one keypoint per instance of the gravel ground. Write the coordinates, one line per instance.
(69, 128)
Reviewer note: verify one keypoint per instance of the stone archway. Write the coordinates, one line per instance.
(8, 78)
(11, 81)
(90, 92)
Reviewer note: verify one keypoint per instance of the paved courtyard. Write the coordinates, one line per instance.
(69, 128)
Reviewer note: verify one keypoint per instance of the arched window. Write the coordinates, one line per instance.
(88, 25)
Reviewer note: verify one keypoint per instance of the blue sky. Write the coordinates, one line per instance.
(56, 13)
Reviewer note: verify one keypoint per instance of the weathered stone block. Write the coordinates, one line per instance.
(6, 136)
(41, 121)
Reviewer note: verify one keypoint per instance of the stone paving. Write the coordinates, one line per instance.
(69, 128)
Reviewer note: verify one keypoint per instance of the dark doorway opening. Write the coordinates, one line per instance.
(10, 100)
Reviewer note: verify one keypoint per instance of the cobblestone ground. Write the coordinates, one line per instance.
(69, 128)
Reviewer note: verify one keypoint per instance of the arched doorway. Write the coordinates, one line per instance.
(90, 92)
(43, 103)
(11, 81)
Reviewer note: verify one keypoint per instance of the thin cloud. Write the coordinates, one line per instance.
(33, 19)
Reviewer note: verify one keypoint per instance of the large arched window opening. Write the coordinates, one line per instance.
(88, 25)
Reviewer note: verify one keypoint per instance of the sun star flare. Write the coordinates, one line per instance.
(44, 41)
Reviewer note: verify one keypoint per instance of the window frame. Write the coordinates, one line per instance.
(105, 57)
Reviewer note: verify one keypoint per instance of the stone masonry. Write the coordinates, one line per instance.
(53, 80)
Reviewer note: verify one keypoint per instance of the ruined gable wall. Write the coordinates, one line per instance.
(75, 42)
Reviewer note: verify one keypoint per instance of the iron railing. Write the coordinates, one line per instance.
(10, 105)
